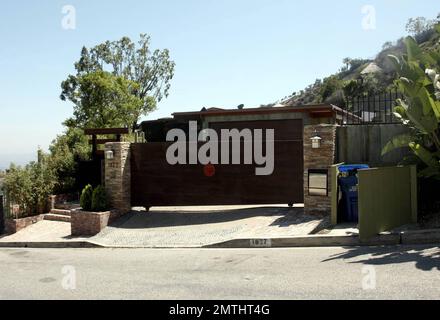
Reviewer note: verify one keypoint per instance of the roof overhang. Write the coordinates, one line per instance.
(316, 109)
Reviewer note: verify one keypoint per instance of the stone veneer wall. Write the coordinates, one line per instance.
(322, 158)
(118, 176)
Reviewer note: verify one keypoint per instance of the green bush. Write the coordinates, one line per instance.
(99, 199)
(29, 186)
(419, 81)
(86, 198)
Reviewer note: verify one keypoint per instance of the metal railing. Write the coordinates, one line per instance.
(372, 109)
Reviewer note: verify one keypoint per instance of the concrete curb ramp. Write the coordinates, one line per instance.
(415, 237)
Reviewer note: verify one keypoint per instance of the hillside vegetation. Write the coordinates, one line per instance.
(362, 77)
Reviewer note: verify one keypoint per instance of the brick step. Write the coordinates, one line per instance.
(67, 206)
(57, 217)
(61, 212)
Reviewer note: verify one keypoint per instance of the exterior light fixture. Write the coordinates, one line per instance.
(109, 154)
(316, 141)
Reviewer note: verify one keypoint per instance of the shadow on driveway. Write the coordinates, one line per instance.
(425, 257)
(160, 218)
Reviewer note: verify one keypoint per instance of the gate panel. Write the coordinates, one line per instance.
(156, 183)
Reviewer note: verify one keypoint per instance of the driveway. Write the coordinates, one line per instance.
(198, 226)
(184, 227)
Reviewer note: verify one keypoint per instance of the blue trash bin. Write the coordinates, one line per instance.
(348, 183)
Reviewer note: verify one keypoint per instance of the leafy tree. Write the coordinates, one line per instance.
(387, 45)
(329, 86)
(30, 186)
(152, 72)
(416, 26)
(18, 188)
(43, 181)
(353, 64)
(420, 109)
(104, 100)
(65, 153)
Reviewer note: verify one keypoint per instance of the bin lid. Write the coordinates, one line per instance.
(351, 167)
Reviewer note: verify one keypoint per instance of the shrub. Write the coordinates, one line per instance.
(419, 81)
(86, 198)
(66, 151)
(99, 199)
(29, 186)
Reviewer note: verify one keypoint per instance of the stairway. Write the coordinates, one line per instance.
(58, 215)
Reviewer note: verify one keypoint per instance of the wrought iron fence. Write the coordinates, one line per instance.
(372, 109)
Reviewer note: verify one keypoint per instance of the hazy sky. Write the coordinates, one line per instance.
(227, 52)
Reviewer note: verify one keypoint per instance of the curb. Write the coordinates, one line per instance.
(309, 241)
(49, 245)
(427, 236)
(414, 237)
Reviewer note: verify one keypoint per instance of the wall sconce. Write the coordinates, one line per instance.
(109, 154)
(316, 141)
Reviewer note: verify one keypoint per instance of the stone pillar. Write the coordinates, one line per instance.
(118, 176)
(318, 159)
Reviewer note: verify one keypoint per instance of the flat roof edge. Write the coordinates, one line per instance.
(305, 108)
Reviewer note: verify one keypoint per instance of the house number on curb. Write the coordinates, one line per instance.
(261, 243)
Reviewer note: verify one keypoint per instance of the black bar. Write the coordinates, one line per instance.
(2, 216)
(391, 103)
(106, 131)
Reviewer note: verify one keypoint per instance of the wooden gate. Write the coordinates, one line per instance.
(157, 183)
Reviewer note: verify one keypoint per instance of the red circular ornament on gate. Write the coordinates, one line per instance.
(209, 170)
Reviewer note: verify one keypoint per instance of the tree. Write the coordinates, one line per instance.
(104, 100)
(329, 86)
(152, 72)
(387, 45)
(30, 186)
(65, 153)
(416, 26)
(419, 81)
(43, 181)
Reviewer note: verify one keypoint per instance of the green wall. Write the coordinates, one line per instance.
(387, 199)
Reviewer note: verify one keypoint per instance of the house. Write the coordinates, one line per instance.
(156, 130)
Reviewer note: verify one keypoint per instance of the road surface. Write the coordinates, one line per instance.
(301, 273)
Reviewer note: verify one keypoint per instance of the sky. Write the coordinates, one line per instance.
(227, 52)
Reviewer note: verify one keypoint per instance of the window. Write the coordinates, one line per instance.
(318, 182)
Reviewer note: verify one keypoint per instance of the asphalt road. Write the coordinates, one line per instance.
(309, 273)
